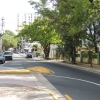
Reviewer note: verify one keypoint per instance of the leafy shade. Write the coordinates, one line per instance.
(42, 30)
(9, 41)
(10, 33)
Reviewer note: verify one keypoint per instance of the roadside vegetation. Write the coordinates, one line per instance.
(9, 40)
(70, 24)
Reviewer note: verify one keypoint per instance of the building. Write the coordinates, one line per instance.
(24, 18)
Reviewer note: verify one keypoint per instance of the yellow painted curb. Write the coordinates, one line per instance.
(68, 97)
(40, 69)
(20, 71)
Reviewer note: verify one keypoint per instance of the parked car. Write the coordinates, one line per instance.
(8, 55)
(2, 58)
(28, 55)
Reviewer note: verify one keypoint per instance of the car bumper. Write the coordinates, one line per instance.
(8, 57)
(29, 56)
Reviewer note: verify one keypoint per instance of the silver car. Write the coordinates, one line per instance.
(2, 58)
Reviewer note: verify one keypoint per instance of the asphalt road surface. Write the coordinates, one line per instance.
(76, 83)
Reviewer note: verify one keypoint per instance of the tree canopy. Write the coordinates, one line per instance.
(73, 20)
(9, 32)
(41, 30)
(9, 40)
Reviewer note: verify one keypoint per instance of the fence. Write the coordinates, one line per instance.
(95, 60)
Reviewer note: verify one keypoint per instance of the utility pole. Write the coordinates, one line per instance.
(2, 24)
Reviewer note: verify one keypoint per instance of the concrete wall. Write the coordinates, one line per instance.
(52, 53)
(95, 60)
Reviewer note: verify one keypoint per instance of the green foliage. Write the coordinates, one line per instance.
(60, 52)
(93, 11)
(91, 1)
(37, 54)
(89, 48)
(41, 30)
(35, 46)
(9, 40)
(71, 19)
(10, 33)
(90, 55)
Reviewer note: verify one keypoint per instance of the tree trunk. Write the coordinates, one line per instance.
(90, 58)
(91, 62)
(96, 49)
(47, 51)
(73, 55)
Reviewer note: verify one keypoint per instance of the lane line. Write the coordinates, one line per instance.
(75, 79)
(68, 97)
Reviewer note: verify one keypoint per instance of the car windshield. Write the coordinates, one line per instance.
(7, 53)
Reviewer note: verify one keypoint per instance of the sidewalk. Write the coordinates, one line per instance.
(84, 66)
(29, 86)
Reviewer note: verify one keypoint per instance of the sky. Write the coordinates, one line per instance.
(9, 10)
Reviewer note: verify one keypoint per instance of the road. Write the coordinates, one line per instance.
(76, 83)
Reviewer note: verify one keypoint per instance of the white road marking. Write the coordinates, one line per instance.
(75, 79)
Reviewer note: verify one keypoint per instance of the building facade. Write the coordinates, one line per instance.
(24, 18)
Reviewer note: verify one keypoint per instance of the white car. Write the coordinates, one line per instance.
(8, 55)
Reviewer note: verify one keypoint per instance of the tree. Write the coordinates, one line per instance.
(78, 17)
(93, 23)
(10, 33)
(41, 30)
(9, 40)
(71, 18)
(35, 46)
(89, 52)
(67, 19)
(93, 34)
(70, 23)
